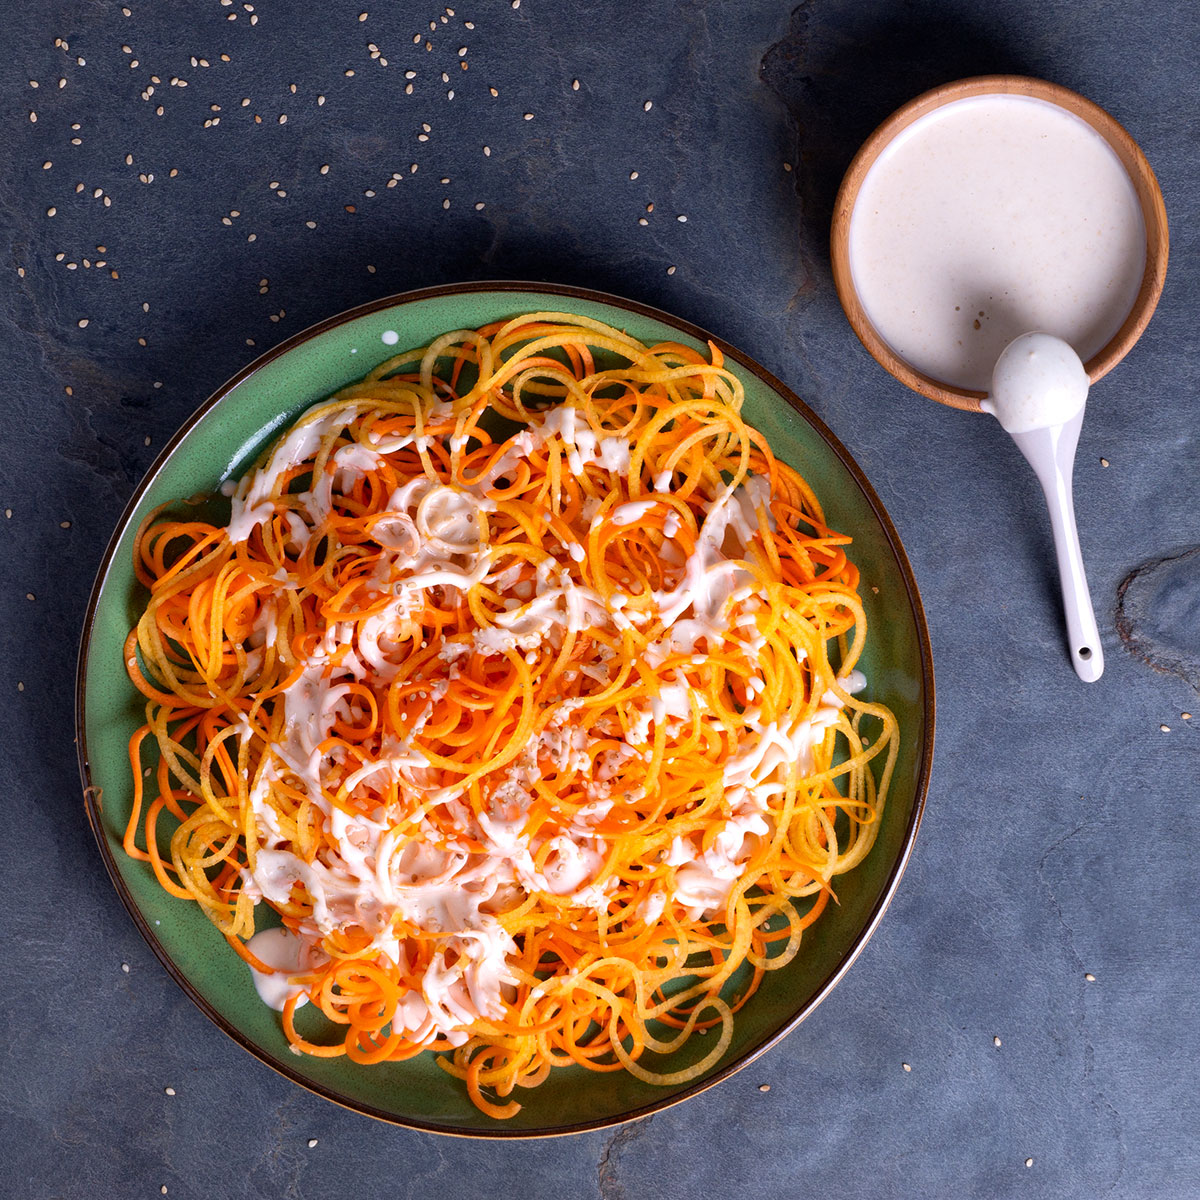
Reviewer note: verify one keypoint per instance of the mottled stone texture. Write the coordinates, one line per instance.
(1061, 834)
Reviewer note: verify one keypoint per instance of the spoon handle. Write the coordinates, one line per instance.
(1051, 453)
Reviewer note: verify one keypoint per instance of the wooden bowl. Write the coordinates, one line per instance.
(1127, 150)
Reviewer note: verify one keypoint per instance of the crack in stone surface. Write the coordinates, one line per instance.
(839, 74)
(609, 1185)
(1098, 1100)
(1158, 614)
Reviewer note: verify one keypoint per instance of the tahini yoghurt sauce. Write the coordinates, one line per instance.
(989, 217)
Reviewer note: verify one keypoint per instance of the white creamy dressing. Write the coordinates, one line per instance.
(382, 870)
(289, 956)
(986, 218)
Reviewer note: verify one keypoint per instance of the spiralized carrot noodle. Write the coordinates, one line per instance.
(520, 685)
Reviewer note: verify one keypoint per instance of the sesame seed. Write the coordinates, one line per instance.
(633, 174)
(648, 106)
(20, 685)
(764, 1087)
(450, 94)
(33, 117)
(30, 596)
(51, 211)
(516, 3)
(362, 16)
(83, 324)
(283, 118)
(995, 1041)
(1165, 728)
(479, 206)
(125, 968)
(1185, 716)
(312, 1142)
(643, 221)
(370, 269)
(906, 1066)
(529, 116)
(349, 74)
(462, 52)
(1090, 977)
(47, 165)
(446, 202)
(574, 85)
(1104, 462)
(681, 217)
(493, 91)
(1029, 1162)
(311, 224)
(670, 270)
(487, 152)
(408, 89)
(320, 101)
(169, 1091)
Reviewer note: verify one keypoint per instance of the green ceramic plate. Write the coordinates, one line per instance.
(222, 439)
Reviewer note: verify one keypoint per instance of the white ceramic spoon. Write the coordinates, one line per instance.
(1039, 391)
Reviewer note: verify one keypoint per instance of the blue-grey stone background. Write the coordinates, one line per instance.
(1060, 838)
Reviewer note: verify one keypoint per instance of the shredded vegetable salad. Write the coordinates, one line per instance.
(520, 684)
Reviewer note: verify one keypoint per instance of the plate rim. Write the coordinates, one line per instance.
(93, 801)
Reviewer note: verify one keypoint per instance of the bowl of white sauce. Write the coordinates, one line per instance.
(987, 208)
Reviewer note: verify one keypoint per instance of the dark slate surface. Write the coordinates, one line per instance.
(1061, 833)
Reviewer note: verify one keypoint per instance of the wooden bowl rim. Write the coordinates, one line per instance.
(1140, 172)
